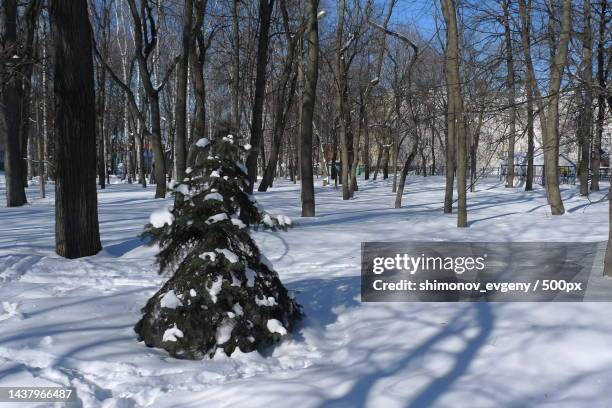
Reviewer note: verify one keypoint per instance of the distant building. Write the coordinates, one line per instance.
(567, 168)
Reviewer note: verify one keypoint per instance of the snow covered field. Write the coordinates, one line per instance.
(69, 322)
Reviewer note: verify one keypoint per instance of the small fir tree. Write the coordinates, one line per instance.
(223, 293)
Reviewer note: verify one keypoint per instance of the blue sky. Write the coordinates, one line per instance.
(416, 12)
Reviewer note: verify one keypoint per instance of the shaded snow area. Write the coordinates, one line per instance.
(70, 322)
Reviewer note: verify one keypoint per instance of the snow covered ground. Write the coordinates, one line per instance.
(69, 322)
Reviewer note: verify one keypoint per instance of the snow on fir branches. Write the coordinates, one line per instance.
(222, 292)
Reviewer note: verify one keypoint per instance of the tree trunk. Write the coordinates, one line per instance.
(341, 98)
(198, 50)
(41, 163)
(451, 154)
(531, 89)
(474, 152)
(510, 82)
(308, 103)
(385, 163)
(530, 138)
(158, 149)
(608, 255)
(404, 173)
(355, 156)
(585, 128)
(25, 77)
(13, 162)
(366, 146)
(282, 102)
(100, 112)
(265, 17)
(236, 110)
(396, 137)
(76, 214)
(456, 99)
(44, 137)
(152, 92)
(378, 161)
(601, 96)
(180, 137)
(551, 136)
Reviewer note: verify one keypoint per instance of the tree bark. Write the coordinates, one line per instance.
(180, 137)
(143, 49)
(25, 76)
(265, 17)
(530, 138)
(450, 154)
(531, 90)
(510, 82)
(283, 101)
(601, 96)
(608, 255)
(551, 136)
(366, 146)
(308, 103)
(199, 48)
(76, 215)
(404, 173)
(340, 73)
(474, 151)
(11, 98)
(236, 110)
(44, 137)
(586, 109)
(100, 112)
(456, 100)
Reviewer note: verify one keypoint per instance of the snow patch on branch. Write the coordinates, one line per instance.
(213, 196)
(217, 218)
(183, 189)
(161, 217)
(269, 302)
(208, 255)
(283, 220)
(172, 334)
(170, 300)
(229, 255)
(203, 142)
(237, 222)
(215, 289)
(274, 326)
(224, 332)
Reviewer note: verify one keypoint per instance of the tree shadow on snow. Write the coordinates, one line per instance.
(458, 327)
(122, 248)
(321, 297)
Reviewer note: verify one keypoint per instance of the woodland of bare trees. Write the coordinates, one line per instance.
(323, 93)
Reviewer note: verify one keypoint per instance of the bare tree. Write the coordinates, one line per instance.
(145, 38)
(455, 103)
(236, 80)
(601, 93)
(550, 134)
(16, 74)
(283, 98)
(200, 44)
(180, 137)
(511, 91)
(340, 72)
(265, 17)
